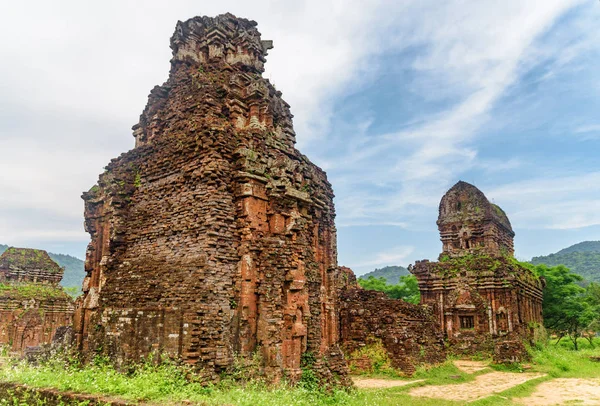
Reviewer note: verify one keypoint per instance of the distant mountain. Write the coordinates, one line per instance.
(74, 272)
(391, 274)
(586, 246)
(582, 258)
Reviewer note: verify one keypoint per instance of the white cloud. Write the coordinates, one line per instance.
(588, 132)
(477, 51)
(392, 256)
(588, 128)
(555, 202)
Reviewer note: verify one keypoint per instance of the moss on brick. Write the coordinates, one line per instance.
(38, 291)
(28, 259)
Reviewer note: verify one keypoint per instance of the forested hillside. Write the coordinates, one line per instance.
(582, 258)
(74, 272)
(391, 274)
(586, 246)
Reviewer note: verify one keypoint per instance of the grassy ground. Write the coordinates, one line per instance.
(166, 384)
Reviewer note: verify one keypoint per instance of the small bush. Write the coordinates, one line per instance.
(375, 356)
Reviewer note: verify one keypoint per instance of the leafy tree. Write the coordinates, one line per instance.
(592, 298)
(569, 310)
(407, 289)
(73, 291)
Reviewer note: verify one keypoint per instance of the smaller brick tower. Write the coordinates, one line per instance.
(479, 293)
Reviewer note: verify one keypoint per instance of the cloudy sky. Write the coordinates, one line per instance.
(396, 100)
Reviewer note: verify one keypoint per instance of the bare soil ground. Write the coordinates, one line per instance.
(483, 386)
(374, 383)
(470, 367)
(562, 391)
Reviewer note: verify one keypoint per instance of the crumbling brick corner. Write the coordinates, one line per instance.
(510, 352)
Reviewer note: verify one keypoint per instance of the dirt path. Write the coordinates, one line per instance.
(371, 383)
(562, 391)
(483, 386)
(470, 367)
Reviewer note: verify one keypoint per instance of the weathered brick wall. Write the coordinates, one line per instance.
(214, 236)
(408, 332)
(32, 322)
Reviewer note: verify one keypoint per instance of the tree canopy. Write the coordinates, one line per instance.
(406, 289)
(569, 309)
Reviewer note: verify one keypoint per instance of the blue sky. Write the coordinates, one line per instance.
(397, 101)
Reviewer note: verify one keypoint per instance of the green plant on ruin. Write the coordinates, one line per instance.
(137, 182)
(30, 290)
(169, 383)
(377, 356)
(406, 289)
(232, 303)
(444, 258)
(309, 379)
(244, 369)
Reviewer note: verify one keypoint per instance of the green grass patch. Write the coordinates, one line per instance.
(562, 361)
(443, 374)
(168, 383)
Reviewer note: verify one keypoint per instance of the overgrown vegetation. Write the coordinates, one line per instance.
(376, 357)
(27, 258)
(569, 310)
(407, 289)
(167, 383)
(73, 291)
(25, 290)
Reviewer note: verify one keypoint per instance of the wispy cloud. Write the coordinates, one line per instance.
(479, 52)
(393, 256)
(588, 128)
(588, 132)
(555, 202)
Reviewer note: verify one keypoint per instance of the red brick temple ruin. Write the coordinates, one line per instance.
(32, 304)
(478, 292)
(214, 237)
